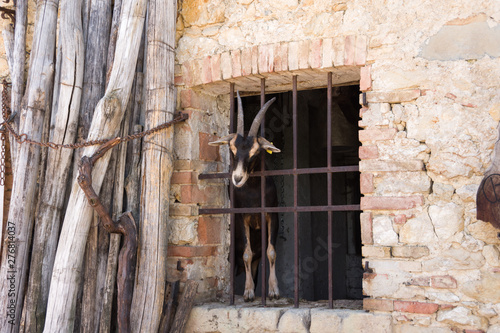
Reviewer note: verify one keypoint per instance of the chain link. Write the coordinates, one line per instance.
(23, 138)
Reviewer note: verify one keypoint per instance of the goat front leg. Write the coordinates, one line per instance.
(249, 294)
(274, 292)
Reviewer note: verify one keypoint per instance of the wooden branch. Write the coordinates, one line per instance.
(26, 166)
(157, 164)
(185, 305)
(105, 123)
(125, 226)
(169, 307)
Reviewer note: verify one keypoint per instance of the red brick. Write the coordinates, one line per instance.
(368, 152)
(183, 177)
(208, 153)
(236, 61)
(191, 251)
(207, 195)
(377, 134)
(179, 80)
(366, 228)
(187, 73)
(365, 82)
(226, 65)
(206, 70)
(400, 219)
(315, 53)
(304, 47)
(255, 59)
(209, 230)
(189, 99)
(350, 50)
(215, 68)
(473, 331)
(415, 307)
(444, 282)
(372, 304)
(391, 203)
(282, 56)
(361, 50)
(419, 281)
(293, 56)
(266, 58)
(366, 183)
(246, 61)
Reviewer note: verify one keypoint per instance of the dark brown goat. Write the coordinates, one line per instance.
(245, 151)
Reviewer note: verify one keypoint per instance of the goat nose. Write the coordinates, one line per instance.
(237, 179)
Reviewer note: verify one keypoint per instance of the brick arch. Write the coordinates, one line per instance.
(278, 62)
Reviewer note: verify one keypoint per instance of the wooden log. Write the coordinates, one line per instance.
(169, 307)
(37, 102)
(18, 64)
(157, 165)
(58, 164)
(125, 226)
(105, 123)
(185, 305)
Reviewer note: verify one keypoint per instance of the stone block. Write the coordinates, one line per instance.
(485, 232)
(422, 281)
(390, 165)
(486, 289)
(418, 230)
(447, 219)
(383, 232)
(182, 231)
(398, 96)
(189, 99)
(492, 255)
(366, 323)
(459, 315)
(394, 183)
(416, 307)
(295, 321)
(379, 134)
(414, 252)
(454, 259)
(323, 320)
(184, 177)
(391, 203)
(259, 319)
(408, 328)
(373, 304)
(187, 73)
(183, 210)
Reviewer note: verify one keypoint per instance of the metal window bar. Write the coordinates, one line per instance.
(295, 209)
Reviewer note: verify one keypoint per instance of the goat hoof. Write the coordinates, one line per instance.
(274, 294)
(249, 295)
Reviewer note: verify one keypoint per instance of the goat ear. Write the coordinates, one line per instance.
(264, 144)
(222, 141)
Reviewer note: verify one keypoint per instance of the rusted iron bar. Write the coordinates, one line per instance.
(263, 228)
(329, 187)
(298, 209)
(231, 197)
(295, 196)
(8, 14)
(125, 226)
(285, 172)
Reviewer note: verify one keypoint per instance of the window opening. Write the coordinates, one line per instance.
(317, 177)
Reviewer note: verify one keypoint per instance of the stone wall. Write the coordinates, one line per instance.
(430, 70)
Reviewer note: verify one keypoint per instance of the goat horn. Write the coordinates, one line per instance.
(241, 124)
(259, 117)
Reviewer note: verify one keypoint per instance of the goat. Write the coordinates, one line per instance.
(245, 151)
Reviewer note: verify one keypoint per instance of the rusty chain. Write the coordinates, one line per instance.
(23, 138)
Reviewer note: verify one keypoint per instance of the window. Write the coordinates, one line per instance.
(317, 177)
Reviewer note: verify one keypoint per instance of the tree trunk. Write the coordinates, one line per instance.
(157, 164)
(58, 164)
(27, 164)
(105, 123)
